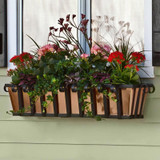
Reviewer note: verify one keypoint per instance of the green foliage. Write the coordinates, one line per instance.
(125, 76)
(59, 63)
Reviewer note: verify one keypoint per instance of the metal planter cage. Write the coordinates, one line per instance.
(130, 100)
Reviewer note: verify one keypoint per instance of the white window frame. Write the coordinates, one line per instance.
(15, 31)
(148, 68)
(11, 29)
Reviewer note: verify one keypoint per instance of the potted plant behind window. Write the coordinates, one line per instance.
(60, 79)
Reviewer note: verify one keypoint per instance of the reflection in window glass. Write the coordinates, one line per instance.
(39, 15)
(117, 13)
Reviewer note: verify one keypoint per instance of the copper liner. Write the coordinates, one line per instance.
(129, 98)
(62, 103)
(89, 105)
(26, 101)
(14, 99)
(74, 102)
(38, 106)
(99, 103)
(127, 102)
(49, 108)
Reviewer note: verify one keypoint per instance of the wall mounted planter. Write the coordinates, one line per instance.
(130, 101)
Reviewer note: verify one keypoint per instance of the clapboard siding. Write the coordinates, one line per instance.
(76, 152)
(82, 132)
(46, 138)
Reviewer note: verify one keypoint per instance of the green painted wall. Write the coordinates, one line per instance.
(31, 138)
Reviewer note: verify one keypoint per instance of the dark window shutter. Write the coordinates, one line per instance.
(156, 32)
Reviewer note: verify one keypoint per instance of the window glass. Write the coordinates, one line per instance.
(3, 35)
(39, 15)
(116, 13)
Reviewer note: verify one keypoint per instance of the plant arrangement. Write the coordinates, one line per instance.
(63, 62)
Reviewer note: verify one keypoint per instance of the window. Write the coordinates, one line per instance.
(136, 13)
(3, 33)
(38, 15)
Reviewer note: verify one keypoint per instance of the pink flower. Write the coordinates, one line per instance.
(84, 56)
(105, 57)
(43, 50)
(95, 49)
(99, 49)
(107, 48)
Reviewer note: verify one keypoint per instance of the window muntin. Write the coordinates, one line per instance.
(85, 8)
(139, 15)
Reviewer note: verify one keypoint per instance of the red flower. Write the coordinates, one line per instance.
(116, 56)
(137, 68)
(138, 57)
(131, 66)
(25, 56)
(14, 58)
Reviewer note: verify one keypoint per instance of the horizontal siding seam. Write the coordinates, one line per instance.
(51, 121)
(74, 144)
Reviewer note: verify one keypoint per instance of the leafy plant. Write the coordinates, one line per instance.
(63, 62)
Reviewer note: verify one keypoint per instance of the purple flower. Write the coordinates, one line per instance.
(82, 29)
(55, 47)
(84, 22)
(51, 28)
(100, 77)
(66, 25)
(60, 21)
(69, 29)
(73, 16)
(61, 29)
(65, 41)
(83, 16)
(68, 17)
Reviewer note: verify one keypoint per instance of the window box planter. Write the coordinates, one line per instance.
(130, 101)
